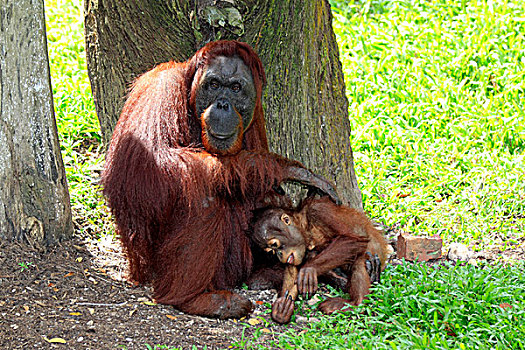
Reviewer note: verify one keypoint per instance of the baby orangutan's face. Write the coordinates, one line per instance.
(276, 232)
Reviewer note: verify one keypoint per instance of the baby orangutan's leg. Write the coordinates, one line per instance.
(373, 267)
(358, 287)
(282, 307)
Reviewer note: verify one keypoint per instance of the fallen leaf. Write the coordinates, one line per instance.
(147, 301)
(171, 317)
(75, 313)
(266, 330)
(55, 340)
(314, 300)
(91, 310)
(259, 302)
(69, 274)
(254, 321)
(26, 308)
(79, 259)
(505, 306)
(132, 312)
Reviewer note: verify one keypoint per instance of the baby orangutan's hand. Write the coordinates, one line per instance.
(282, 309)
(307, 282)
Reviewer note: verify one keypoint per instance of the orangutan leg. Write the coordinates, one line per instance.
(358, 288)
(266, 278)
(219, 304)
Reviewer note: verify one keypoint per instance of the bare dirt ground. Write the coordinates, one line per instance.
(74, 296)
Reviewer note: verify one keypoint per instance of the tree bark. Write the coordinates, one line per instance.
(305, 103)
(34, 199)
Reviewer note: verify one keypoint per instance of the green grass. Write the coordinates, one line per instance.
(436, 91)
(417, 306)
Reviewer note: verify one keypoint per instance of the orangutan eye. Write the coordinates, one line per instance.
(286, 219)
(274, 243)
(236, 87)
(214, 85)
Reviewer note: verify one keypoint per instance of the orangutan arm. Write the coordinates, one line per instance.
(341, 251)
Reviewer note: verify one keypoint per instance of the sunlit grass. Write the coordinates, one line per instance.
(416, 306)
(436, 91)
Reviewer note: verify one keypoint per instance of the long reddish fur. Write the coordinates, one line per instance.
(180, 211)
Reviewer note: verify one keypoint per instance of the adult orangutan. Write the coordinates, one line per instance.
(187, 164)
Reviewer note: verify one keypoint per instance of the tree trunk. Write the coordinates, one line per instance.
(34, 199)
(305, 103)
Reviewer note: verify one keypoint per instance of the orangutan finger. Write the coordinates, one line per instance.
(313, 285)
(288, 309)
(300, 278)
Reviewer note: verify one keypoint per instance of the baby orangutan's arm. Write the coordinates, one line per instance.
(282, 307)
(341, 251)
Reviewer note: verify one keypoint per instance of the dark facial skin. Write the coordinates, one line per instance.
(276, 232)
(225, 103)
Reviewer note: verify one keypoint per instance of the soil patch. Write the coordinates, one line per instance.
(74, 296)
(68, 294)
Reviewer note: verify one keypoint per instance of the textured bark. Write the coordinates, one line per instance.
(34, 199)
(305, 103)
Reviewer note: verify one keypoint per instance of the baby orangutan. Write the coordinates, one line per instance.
(312, 241)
